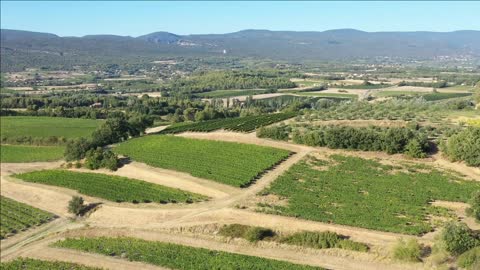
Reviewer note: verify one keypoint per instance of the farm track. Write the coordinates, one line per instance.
(151, 222)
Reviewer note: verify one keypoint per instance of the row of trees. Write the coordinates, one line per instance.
(391, 140)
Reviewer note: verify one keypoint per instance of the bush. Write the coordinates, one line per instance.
(256, 234)
(458, 238)
(75, 205)
(275, 132)
(407, 250)
(414, 149)
(252, 234)
(77, 149)
(470, 259)
(321, 240)
(474, 209)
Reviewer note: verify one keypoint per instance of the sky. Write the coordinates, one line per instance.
(183, 17)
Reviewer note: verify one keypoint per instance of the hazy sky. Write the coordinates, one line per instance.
(138, 18)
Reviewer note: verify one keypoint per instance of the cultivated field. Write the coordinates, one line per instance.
(229, 163)
(109, 187)
(174, 256)
(43, 127)
(16, 217)
(366, 193)
(27, 153)
(33, 264)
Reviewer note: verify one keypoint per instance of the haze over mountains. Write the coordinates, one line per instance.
(342, 44)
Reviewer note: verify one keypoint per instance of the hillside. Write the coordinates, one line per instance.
(22, 48)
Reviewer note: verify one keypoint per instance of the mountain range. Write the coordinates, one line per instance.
(342, 44)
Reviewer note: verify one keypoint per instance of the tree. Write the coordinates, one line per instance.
(76, 149)
(465, 146)
(75, 205)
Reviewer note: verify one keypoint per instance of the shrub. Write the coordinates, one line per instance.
(414, 149)
(322, 240)
(252, 234)
(458, 238)
(75, 205)
(77, 149)
(256, 234)
(470, 259)
(474, 209)
(407, 250)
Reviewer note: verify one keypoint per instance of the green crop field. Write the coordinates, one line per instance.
(242, 124)
(174, 256)
(364, 193)
(34, 264)
(109, 187)
(16, 217)
(231, 93)
(328, 95)
(363, 86)
(18, 126)
(229, 163)
(426, 96)
(24, 153)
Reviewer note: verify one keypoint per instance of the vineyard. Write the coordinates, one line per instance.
(33, 264)
(109, 187)
(18, 126)
(230, 93)
(174, 256)
(365, 193)
(229, 163)
(16, 217)
(242, 124)
(24, 153)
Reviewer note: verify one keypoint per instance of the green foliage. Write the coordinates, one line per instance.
(27, 153)
(464, 146)
(470, 259)
(225, 162)
(16, 217)
(274, 132)
(99, 158)
(34, 264)
(77, 149)
(75, 205)
(109, 187)
(390, 140)
(365, 193)
(458, 238)
(232, 93)
(321, 240)
(46, 127)
(243, 124)
(174, 256)
(407, 250)
(250, 233)
(414, 149)
(474, 209)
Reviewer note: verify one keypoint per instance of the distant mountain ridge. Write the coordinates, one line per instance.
(341, 44)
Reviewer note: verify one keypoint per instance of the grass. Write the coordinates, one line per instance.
(225, 162)
(18, 126)
(364, 193)
(407, 250)
(34, 264)
(24, 153)
(109, 187)
(231, 93)
(242, 124)
(16, 217)
(317, 240)
(363, 86)
(174, 256)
